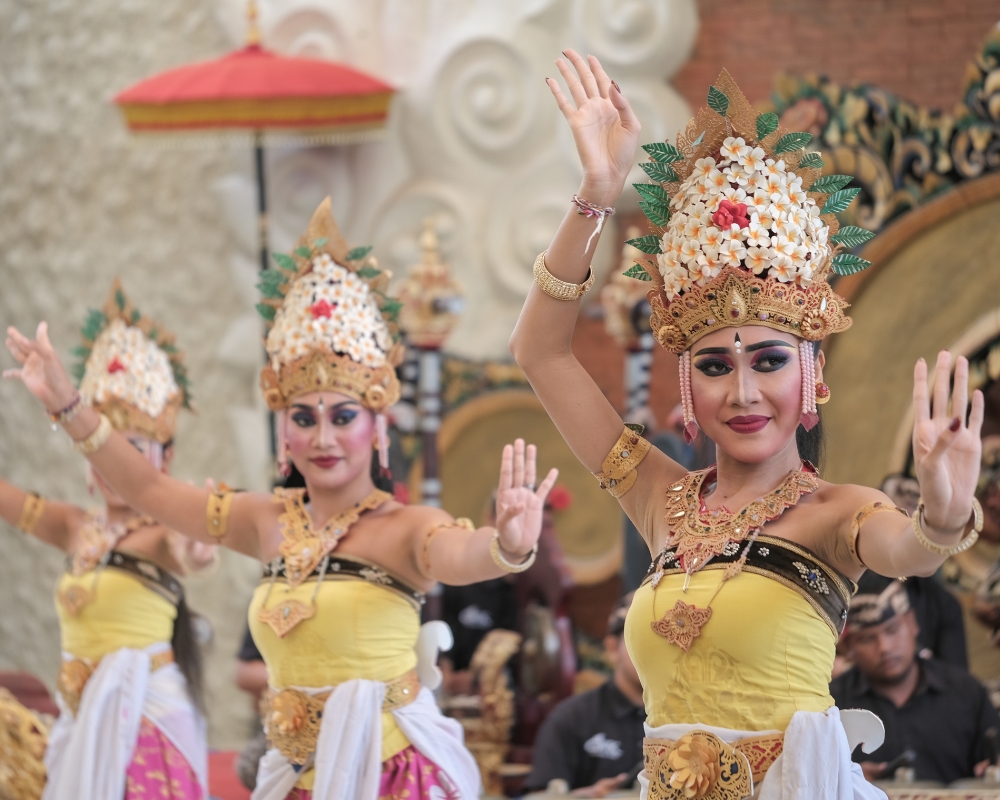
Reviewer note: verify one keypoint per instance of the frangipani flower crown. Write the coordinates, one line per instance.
(744, 232)
(130, 369)
(332, 328)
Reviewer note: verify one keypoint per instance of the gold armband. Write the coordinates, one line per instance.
(862, 514)
(217, 513)
(944, 550)
(618, 472)
(558, 289)
(31, 512)
(96, 440)
(503, 563)
(462, 522)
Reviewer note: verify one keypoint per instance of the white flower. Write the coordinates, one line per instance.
(762, 220)
(758, 259)
(690, 250)
(675, 281)
(705, 269)
(783, 245)
(732, 252)
(753, 160)
(667, 262)
(758, 201)
(694, 227)
(715, 180)
(782, 268)
(702, 167)
(772, 167)
(757, 236)
(734, 149)
(711, 238)
(735, 174)
(737, 195)
(805, 274)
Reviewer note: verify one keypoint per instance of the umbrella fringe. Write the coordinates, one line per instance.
(208, 139)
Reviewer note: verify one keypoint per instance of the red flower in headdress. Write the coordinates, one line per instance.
(115, 366)
(730, 212)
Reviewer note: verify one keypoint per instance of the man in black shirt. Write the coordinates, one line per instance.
(934, 708)
(593, 740)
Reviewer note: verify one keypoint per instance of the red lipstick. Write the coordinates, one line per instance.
(325, 462)
(748, 424)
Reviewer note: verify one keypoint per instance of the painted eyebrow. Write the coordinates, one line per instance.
(341, 404)
(770, 343)
(722, 351)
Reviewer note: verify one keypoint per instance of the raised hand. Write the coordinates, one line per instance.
(946, 450)
(519, 505)
(605, 128)
(40, 370)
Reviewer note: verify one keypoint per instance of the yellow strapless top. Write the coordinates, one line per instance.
(764, 654)
(360, 630)
(122, 613)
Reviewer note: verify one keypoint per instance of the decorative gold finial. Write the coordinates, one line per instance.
(431, 299)
(253, 29)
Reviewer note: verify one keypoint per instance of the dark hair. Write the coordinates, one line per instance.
(812, 444)
(296, 481)
(188, 654)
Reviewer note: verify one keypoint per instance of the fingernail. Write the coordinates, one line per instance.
(955, 424)
(617, 87)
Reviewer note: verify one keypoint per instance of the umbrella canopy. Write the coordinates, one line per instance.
(254, 89)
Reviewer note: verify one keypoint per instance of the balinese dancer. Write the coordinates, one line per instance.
(130, 682)
(337, 614)
(733, 632)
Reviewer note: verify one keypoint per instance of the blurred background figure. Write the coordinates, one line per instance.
(594, 740)
(251, 677)
(931, 707)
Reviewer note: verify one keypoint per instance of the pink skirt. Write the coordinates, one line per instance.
(409, 775)
(158, 770)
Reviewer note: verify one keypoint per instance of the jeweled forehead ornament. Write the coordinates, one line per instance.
(332, 328)
(744, 232)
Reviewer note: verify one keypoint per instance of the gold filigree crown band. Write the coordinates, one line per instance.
(618, 472)
(376, 388)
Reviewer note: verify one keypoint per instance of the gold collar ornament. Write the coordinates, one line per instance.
(698, 535)
(303, 550)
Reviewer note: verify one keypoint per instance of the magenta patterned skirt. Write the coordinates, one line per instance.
(407, 775)
(158, 770)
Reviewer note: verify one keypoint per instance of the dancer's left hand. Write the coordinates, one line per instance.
(946, 450)
(519, 505)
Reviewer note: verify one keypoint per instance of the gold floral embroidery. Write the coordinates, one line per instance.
(682, 624)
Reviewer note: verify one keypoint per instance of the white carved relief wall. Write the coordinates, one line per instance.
(474, 137)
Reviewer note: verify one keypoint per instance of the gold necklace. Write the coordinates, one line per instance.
(96, 541)
(697, 535)
(304, 549)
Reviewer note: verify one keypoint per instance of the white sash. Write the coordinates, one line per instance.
(815, 761)
(348, 759)
(88, 756)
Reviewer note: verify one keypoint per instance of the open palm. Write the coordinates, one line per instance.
(946, 450)
(605, 128)
(519, 505)
(40, 369)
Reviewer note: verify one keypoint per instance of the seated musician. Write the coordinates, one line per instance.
(929, 706)
(593, 740)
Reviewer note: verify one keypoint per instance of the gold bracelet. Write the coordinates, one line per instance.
(963, 545)
(217, 513)
(860, 516)
(503, 563)
(31, 512)
(555, 288)
(618, 471)
(96, 440)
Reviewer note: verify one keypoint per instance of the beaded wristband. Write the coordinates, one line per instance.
(963, 545)
(96, 440)
(558, 289)
(68, 413)
(503, 563)
(587, 209)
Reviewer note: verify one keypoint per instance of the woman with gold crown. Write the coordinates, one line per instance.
(337, 615)
(130, 684)
(733, 631)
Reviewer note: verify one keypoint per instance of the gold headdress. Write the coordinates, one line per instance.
(130, 369)
(745, 232)
(332, 328)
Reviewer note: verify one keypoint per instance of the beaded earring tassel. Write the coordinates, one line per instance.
(687, 401)
(284, 468)
(382, 434)
(807, 364)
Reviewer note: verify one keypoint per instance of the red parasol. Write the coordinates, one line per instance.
(256, 91)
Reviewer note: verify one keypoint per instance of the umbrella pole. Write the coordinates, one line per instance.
(258, 152)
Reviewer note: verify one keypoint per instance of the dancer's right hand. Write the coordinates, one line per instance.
(605, 128)
(41, 370)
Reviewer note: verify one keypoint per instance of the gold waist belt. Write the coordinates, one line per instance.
(73, 676)
(700, 766)
(293, 718)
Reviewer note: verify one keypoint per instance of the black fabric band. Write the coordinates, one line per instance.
(342, 567)
(153, 577)
(792, 565)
